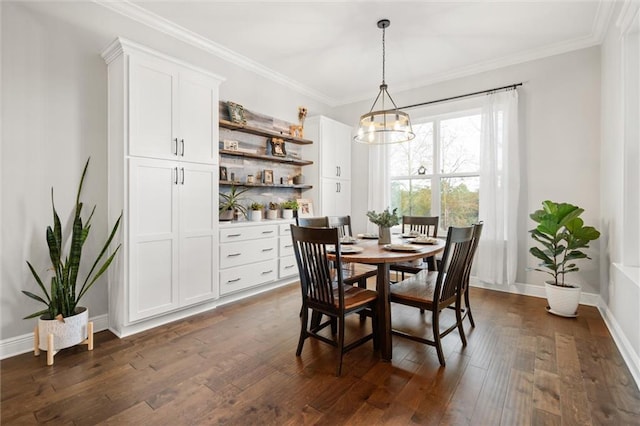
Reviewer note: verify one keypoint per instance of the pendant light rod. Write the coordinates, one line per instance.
(452, 98)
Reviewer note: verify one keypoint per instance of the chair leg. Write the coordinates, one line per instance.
(468, 307)
(303, 329)
(374, 328)
(436, 337)
(340, 345)
(459, 321)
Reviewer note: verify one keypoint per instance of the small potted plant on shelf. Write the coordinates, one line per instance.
(272, 212)
(230, 204)
(64, 323)
(385, 221)
(256, 211)
(288, 207)
(562, 233)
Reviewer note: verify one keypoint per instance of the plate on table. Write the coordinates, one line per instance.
(348, 240)
(423, 240)
(411, 235)
(368, 236)
(346, 249)
(401, 247)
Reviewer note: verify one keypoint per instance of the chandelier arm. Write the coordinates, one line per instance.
(391, 99)
(376, 100)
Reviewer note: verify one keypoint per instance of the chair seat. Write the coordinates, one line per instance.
(417, 290)
(358, 273)
(354, 297)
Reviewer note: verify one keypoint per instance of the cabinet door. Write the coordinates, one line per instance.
(198, 118)
(153, 238)
(335, 146)
(153, 88)
(336, 197)
(343, 198)
(197, 186)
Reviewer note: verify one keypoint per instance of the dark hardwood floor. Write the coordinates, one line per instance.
(237, 365)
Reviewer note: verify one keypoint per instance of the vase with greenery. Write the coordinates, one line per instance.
(272, 211)
(63, 296)
(563, 235)
(256, 211)
(385, 221)
(288, 207)
(231, 204)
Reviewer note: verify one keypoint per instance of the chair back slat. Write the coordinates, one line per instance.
(310, 248)
(427, 225)
(342, 223)
(454, 260)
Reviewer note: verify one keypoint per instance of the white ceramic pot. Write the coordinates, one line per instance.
(563, 301)
(384, 235)
(272, 214)
(287, 213)
(256, 215)
(65, 334)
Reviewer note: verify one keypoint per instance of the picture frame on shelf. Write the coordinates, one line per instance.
(230, 145)
(223, 173)
(267, 177)
(277, 147)
(296, 131)
(305, 208)
(236, 113)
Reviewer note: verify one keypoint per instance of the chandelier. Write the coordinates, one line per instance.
(381, 125)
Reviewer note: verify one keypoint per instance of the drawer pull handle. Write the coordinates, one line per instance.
(288, 266)
(267, 232)
(233, 254)
(267, 249)
(267, 272)
(233, 281)
(234, 235)
(289, 246)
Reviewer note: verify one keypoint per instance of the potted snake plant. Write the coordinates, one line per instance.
(231, 204)
(64, 323)
(563, 235)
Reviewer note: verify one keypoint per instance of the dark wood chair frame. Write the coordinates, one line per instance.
(446, 292)
(326, 293)
(427, 225)
(477, 232)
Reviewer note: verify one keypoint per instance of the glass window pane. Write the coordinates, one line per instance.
(406, 158)
(460, 144)
(412, 197)
(459, 198)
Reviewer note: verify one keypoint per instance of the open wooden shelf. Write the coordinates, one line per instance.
(263, 132)
(264, 185)
(274, 159)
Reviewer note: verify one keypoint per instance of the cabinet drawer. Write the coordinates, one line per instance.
(235, 279)
(244, 252)
(286, 247)
(285, 229)
(287, 267)
(247, 233)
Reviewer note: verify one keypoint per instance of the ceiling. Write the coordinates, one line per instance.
(332, 50)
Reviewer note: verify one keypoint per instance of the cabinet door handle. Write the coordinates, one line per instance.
(288, 267)
(181, 143)
(233, 254)
(290, 245)
(267, 249)
(267, 272)
(176, 170)
(337, 190)
(182, 170)
(175, 151)
(337, 171)
(233, 235)
(267, 232)
(233, 281)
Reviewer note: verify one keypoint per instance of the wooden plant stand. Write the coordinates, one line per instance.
(51, 352)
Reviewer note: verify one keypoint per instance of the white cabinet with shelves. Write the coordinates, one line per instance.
(330, 175)
(163, 141)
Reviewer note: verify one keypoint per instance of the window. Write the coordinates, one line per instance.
(438, 173)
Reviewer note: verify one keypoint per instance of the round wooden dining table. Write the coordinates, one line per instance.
(376, 254)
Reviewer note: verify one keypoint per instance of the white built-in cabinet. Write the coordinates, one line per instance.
(330, 175)
(162, 153)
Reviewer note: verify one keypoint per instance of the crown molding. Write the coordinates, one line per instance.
(627, 14)
(158, 23)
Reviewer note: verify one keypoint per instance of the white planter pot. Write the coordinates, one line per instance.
(287, 213)
(256, 215)
(272, 214)
(563, 301)
(65, 334)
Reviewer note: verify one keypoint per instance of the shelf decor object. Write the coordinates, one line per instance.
(382, 125)
(236, 113)
(277, 147)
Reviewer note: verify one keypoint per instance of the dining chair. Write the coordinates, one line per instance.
(477, 231)
(437, 290)
(324, 291)
(313, 222)
(343, 224)
(426, 225)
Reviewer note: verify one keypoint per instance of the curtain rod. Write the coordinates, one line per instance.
(511, 86)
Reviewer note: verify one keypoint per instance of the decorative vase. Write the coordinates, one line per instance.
(563, 301)
(272, 214)
(287, 213)
(384, 235)
(256, 215)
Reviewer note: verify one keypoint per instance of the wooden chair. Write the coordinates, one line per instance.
(437, 290)
(342, 223)
(427, 225)
(313, 222)
(477, 231)
(324, 292)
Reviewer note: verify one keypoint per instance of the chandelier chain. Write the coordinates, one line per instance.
(383, 53)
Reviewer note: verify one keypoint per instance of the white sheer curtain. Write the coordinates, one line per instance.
(379, 198)
(497, 259)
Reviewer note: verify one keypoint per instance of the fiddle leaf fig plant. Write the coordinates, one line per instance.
(63, 295)
(562, 234)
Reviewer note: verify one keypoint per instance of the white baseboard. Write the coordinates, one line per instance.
(589, 299)
(23, 344)
(624, 346)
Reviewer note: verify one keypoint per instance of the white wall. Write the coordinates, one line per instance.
(54, 115)
(560, 141)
